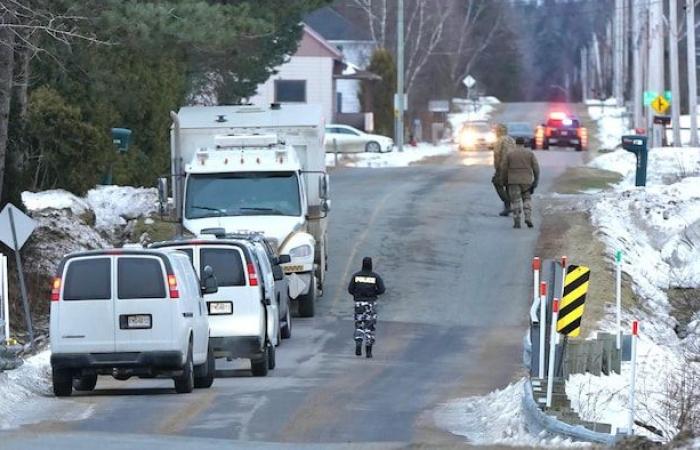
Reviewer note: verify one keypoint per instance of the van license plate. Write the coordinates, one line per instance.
(140, 321)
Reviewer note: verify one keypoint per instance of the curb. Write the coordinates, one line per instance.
(551, 423)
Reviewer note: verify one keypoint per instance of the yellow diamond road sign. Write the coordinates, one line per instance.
(660, 104)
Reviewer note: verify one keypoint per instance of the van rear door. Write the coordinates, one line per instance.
(143, 319)
(84, 312)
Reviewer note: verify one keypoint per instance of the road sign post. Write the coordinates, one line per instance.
(618, 297)
(552, 352)
(5, 297)
(543, 326)
(22, 284)
(633, 377)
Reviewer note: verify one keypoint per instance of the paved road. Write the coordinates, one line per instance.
(451, 325)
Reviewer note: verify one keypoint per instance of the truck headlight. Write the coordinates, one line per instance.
(301, 251)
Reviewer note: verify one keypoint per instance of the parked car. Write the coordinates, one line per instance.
(130, 312)
(522, 132)
(346, 139)
(475, 136)
(561, 130)
(265, 251)
(243, 317)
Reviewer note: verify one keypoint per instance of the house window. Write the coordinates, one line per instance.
(290, 91)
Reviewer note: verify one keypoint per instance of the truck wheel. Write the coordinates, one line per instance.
(62, 382)
(307, 302)
(184, 384)
(207, 379)
(260, 365)
(286, 331)
(271, 357)
(85, 382)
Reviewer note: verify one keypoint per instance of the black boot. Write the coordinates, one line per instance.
(368, 351)
(358, 348)
(528, 223)
(506, 210)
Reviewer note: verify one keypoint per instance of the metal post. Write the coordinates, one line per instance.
(22, 285)
(5, 296)
(692, 72)
(618, 297)
(637, 66)
(618, 61)
(176, 172)
(400, 75)
(552, 352)
(675, 68)
(536, 265)
(543, 326)
(656, 63)
(633, 377)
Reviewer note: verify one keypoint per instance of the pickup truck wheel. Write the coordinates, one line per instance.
(62, 382)
(578, 148)
(209, 369)
(271, 357)
(307, 302)
(260, 365)
(85, 382)
(184, 384)
(286, 331)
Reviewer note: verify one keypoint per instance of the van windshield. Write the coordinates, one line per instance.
(243, 194)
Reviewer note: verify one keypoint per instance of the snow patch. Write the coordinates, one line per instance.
(611, 120)
(496, 418)
(409, 156)
(54, 199)
(114, 205)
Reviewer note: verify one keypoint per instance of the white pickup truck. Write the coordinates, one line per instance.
(246, 168)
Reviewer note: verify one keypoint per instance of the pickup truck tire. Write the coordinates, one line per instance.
(184, 383)
(85, 382)
(259, 366)
(62, 382)
(271, 357)
(207, 372)
(578, 148)
(307, 302)
(286, 329)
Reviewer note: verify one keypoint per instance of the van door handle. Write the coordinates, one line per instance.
(187, 314)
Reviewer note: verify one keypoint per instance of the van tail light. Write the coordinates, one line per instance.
(252, 275)
(172, 286)
(55, 289)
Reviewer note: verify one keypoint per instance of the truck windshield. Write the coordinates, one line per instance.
(242, 194)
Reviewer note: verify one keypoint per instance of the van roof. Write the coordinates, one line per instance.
(162, 254)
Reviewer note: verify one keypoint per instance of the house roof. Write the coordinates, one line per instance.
(333, 26)
(313, 44)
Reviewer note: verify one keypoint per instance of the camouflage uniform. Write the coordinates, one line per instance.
(504, 143)
(522, 173)
(365, 286)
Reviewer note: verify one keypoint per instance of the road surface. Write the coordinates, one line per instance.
(451, 325)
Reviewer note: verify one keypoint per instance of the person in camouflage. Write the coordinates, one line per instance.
(522, 173)
(503, 144)
(365, 286)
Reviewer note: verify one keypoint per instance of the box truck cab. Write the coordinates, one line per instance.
(262, 170)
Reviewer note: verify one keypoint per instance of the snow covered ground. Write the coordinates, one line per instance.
(658, 230)
(611, 120)
(410, 155)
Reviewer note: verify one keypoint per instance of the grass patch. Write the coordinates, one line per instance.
(580, 179)
(157, 229)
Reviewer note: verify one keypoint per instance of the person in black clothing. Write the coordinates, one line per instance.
(365, 286)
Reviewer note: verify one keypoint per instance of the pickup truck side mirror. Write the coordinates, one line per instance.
(284, 259)
(209, 285)
(277, 273)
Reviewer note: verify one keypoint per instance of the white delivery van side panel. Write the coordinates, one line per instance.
(197, 323)
(82, 320)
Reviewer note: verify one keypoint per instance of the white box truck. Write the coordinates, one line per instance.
(247, 168)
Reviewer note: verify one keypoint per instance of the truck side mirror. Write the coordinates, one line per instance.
(323, 184)
(277, 273)
(163, 191)
(209, 284)
(284, 259)
(326, 206)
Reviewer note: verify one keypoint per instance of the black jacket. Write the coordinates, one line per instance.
(366, 285)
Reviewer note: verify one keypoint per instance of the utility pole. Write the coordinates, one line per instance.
(598, 68)
(618, 46)
(656, 63)
(675, 82)
(638, 15)
(692, 72)
(584, 74)
(399, 77)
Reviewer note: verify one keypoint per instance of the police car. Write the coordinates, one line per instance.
(561, 130)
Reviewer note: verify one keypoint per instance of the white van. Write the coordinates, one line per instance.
(243, 317)
(129, 313)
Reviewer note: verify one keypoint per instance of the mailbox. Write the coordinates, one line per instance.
(638, 146)
(121, 137)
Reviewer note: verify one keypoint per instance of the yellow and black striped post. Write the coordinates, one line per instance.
(573, 301)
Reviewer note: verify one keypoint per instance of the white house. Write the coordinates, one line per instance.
(308, 76)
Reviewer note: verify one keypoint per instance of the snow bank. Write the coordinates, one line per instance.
(54, 199)
(666, 165)
(611, 119)
(409, 156)
(26, 396)
(114, 205)
(496, 418)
